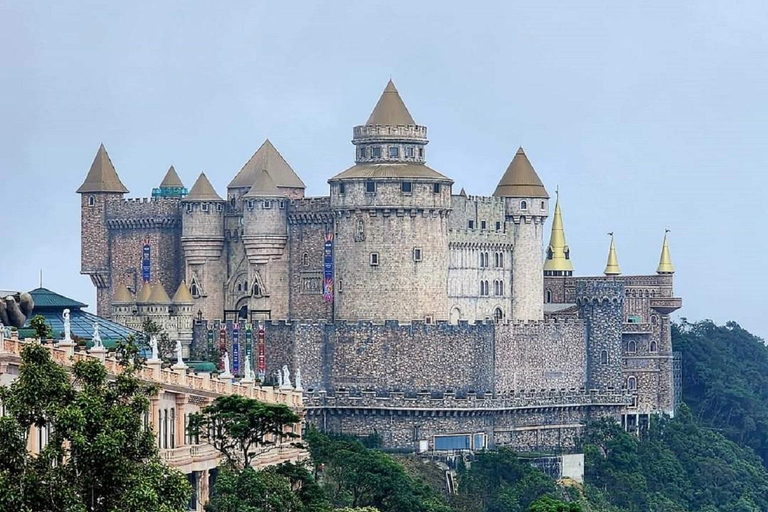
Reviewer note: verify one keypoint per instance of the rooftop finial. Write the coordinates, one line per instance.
(665, 262)
(612, 267)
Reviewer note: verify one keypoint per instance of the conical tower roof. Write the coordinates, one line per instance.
(520, 179)
(267, 158)
(612, 267)
(144, 294)
(202, 190)
(264, 186)
(558, 260)
(665, 262)
(390, 109)
(182, 295)
(102, 177)
(159, 295)
(171, 179)
(122, 295)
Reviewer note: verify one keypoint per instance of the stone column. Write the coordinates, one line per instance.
(181, 433)
(203, 490)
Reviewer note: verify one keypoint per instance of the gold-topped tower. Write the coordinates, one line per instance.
(665, 262)
(558, 259)
(612, 267)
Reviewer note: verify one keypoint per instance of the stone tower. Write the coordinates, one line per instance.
(391, 229)
(264, 238)
(202, 239)
(526, 208)
(601, 306)
(101, 192)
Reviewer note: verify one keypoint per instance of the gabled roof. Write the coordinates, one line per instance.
(171, 179)
(264, 186)
(159, 295)
(102, 177)
(182, 295)
(520, 179)
(202, 190)
(267, 158)
(390, 109)
(391, 170)
(45, 299)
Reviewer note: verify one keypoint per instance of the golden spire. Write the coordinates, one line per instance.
(558, 260)
(612, 267)
(665, 262)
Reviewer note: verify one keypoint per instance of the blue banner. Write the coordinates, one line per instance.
(236, 349)
(248, 342)
(145, 262)
(328, 268)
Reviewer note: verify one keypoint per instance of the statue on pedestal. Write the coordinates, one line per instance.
(96, 336)
(153, 348)
(67, 327)
(286, 377)
(298, 379)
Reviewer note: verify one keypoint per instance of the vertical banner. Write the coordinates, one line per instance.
(146, 256)
(236, 348)
(222, 346)
(262, 362)
(249, 343)
(210, 343)
(328, 267)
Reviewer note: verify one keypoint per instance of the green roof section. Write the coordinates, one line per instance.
(45, 298)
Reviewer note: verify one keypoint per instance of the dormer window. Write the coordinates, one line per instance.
(394, 152)
(406, 187)
(370, 187)
(376, 152)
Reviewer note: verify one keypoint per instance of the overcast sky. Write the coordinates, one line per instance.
(647, 115)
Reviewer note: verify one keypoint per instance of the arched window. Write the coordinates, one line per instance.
(604, 357)
(542, 205)
(194, 290)
(91, 200)
(631, 383)
(548, 296)
(239, 287)
(653, 347)
(549, 253)
(631, 347)
(523, 205)
(498, 315)
(305, 260)
(256, 290)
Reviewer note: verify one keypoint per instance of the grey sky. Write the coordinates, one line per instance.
(646, 114)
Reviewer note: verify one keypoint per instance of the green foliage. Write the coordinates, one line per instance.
(725, 380)
(677, 466)
(165, 347)
(237, 426)
(547, 504)
(43, 331)
(99, 457)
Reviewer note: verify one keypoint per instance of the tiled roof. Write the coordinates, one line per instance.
(45, 298)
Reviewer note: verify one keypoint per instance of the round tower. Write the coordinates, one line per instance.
(202, 239)
(601, 306)
(391, 228)
(122, 305)
(265, 234)
(526, 205)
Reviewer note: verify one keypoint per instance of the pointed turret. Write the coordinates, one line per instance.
(182, 295)
(558, 260)
(267, 158)
(612, 267)
(202, 190)
(520, 179)
(665, 262)
(102, 177)
(390, 109)
(159, 295)
(122, 295)
(264, 186)
(144, 294)
(171, 179)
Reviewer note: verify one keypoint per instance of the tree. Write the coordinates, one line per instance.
(547, 504)
(43, 331)
(99, 456)
(237, 426)
(165, 347)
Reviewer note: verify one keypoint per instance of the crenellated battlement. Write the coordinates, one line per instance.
(466, 401)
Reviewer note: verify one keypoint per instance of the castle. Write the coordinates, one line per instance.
(432, 318)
